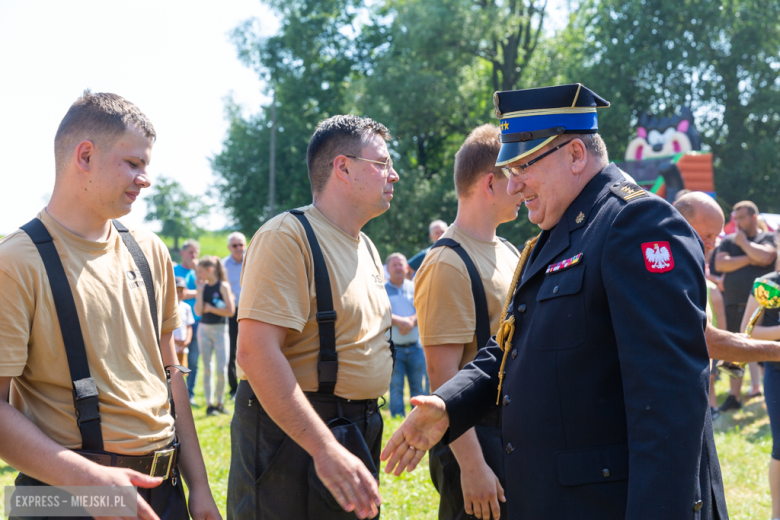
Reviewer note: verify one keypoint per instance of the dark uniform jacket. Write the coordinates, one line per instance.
(605, 410)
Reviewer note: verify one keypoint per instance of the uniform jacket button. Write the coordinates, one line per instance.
(509, 447)
(514, 353)
(605, 472)
(507, 400)
(698, 505)
(522, 307)
(555, 290)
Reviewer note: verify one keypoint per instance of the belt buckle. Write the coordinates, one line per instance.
(157, 455)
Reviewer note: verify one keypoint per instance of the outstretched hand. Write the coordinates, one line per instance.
(419, 432)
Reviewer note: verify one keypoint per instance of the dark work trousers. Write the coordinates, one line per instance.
(231, 368)
(167, 499)
(445, 471)
(269, 472)
(734, 315)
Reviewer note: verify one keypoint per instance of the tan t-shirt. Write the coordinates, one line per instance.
(123, 356)
(442, 290)
(277, 287)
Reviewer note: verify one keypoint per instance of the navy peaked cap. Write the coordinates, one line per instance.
(531, 118)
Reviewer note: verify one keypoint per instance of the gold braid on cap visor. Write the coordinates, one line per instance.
(507, 328)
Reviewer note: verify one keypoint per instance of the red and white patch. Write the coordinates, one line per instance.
(658, 256)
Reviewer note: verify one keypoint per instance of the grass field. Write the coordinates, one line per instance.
(211, 243)
(743, 439)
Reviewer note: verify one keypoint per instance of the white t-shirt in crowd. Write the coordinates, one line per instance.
(187, 319)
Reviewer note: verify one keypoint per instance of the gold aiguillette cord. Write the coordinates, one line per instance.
(507, 328)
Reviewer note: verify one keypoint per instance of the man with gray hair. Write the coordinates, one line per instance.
(233, 264)
(435, 230)
(410, 359)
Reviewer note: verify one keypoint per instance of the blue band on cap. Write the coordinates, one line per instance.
(586, 121)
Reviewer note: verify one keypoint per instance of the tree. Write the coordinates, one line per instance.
(175, 209)
(721, 57)
(421, 67)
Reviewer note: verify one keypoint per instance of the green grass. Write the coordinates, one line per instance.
(743, 439)
(211, 243)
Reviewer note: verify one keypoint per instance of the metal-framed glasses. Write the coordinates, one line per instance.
(387, 165)
(517, 171)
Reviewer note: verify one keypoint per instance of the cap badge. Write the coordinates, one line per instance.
(658, 256)
(565, 264)
(495, 103)
(580, 218)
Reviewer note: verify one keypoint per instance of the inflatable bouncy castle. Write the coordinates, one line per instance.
(665, 156)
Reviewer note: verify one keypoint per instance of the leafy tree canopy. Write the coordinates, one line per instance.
(427, 69)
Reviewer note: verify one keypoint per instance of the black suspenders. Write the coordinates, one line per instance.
(327, 362)
(482, 330)
(85, 395)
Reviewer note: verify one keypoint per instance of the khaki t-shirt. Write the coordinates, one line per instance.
(277, 287)
(442, 290)
(123, 356)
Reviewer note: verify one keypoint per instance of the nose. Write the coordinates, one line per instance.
(658, 147)
(142, 180)
(392, 175)
(514, 186)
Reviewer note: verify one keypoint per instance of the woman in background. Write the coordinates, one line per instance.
(214, 303)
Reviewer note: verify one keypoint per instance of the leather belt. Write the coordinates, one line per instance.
(160, 463)
(406, 345)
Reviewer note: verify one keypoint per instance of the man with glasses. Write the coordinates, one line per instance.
(600, 366)
(233, 264)
(312, 317)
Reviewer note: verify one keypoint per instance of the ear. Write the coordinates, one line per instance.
(84, 153)
(341, 168)
(489, 184)
(579, 156)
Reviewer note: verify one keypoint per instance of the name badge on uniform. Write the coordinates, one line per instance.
(565, 264)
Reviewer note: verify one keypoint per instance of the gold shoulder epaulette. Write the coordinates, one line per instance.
(628, 191)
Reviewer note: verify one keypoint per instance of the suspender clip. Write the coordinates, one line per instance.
(87, 409)
(326, 317)
(85, 399)
(328, 371)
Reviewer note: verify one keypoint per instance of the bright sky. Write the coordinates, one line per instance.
(173, 59)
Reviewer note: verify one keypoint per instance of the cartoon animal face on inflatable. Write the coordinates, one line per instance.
(663, 137)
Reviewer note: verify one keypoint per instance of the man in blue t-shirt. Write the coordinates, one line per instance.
(410, 359)
(190, 251)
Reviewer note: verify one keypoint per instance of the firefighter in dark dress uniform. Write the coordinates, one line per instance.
(600, 365)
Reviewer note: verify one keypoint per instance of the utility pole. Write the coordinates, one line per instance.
(272, 161)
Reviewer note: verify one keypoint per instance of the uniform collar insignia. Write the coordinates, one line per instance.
(565, 264)
(594, 191)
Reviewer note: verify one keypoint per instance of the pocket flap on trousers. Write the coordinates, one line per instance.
(592, 465)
